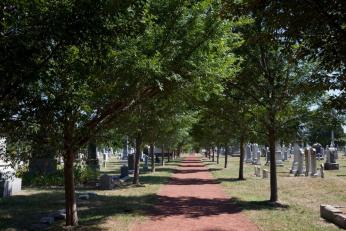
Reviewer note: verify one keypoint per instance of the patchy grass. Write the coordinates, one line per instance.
(109, 210)
(300, 197)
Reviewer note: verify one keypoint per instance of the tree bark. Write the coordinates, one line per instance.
(213, 157)
(241, 159)
(273, 179)
(137, 157)
(162, 156)
(69, 155)
(226, 155)
(218, 155)
(152, 156)
(168, 156)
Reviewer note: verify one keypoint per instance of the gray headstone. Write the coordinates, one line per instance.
(300, 157)
(307, 161)
(124, 171)
(106, 182)
(296, 153)
(248, 153)
(47, 220)
(131, 161)
(313, 162)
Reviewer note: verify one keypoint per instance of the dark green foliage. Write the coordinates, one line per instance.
(82, 175)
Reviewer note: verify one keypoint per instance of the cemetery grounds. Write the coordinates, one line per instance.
(300, 197)
(107, 210)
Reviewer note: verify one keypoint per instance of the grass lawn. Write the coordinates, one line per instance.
(109, 210)
(301, 196)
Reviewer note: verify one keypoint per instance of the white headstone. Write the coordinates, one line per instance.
(300, 157)
(248, 154)
(278, 156)
(294, 166)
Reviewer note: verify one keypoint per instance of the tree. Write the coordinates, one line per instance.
(272, 75)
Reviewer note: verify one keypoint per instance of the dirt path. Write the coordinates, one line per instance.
(194, 201)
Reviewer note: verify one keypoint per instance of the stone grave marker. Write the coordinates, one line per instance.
(330, 163)
(294, 166)
(248, 153)
(307, 161)
(265, 173)
(145, 166)
(9, 184)
(284, 153)
(313, 162)
(300, 157)
(124, 171)
(278, 156)
(131, 161)
(107, 182)
(257, 171)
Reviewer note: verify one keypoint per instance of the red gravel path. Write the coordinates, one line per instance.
(193, 200)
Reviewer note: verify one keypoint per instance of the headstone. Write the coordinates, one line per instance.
(42, 166)
(278, 156)
(92, 160)
(267, 155)
(318, 148)
(84, 196)
(256, 155)
(131, 161)
(313, 162)
(300, 157)
(307, 161)
(265, 173)
(47, 220)
(290, 150)
(264, 152)
(294, 166)
(330, 163)
(9, 184)
(107, 182)
(257, 171)
(124, 171)
(125, 148)
(322, 170)
(284, 153)
(145, 166)
(59, 215)
(332, 155)
(157, 159)
(248, 154)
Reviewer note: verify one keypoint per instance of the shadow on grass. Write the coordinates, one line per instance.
(258, 205)
(229, 179)
(20, 212)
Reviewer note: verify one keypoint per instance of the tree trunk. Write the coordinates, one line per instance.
(152, 156)
(137, 157)
(70, 199)
(213, 158)
(168, 156)
(273, 180)
(162, 157)
(226, 155)
(218, 155)
(92, 161)
(241, 159)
